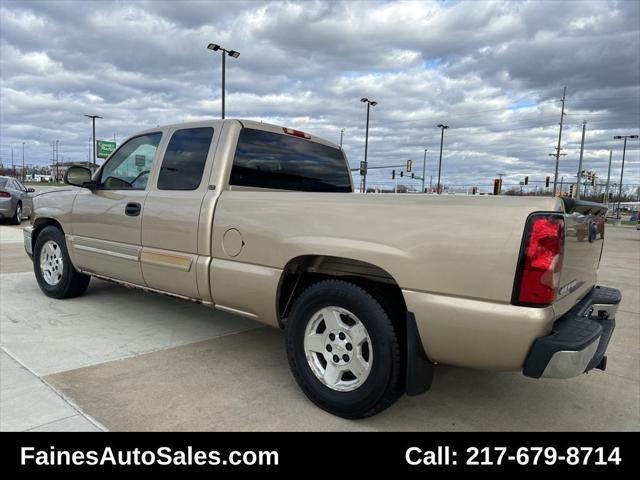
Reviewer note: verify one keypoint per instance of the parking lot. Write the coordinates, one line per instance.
(120, 359)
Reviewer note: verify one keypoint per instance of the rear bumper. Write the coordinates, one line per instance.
(578, 340)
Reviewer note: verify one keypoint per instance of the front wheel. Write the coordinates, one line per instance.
(54, 271)
(343, 350)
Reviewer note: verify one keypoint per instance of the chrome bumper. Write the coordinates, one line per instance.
(579, 340)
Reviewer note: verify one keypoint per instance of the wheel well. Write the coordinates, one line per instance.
(38, 226)
(302, 271)
(306, 270)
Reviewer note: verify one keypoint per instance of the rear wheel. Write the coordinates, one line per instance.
(17, 216)
(343, 350)
(54, 271)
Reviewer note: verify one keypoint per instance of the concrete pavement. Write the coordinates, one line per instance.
(121, 359)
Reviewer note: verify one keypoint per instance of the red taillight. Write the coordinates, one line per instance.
(5, 195)
(296, 133)
(540, 267)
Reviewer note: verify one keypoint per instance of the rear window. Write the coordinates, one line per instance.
(270, 160)
(184, 159)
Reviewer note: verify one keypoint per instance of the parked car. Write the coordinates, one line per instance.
(372, 290)
(15, 200)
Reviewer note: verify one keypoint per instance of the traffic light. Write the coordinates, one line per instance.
(496, 186)
(409, 165)
(526, 180)
(401, 173)
(593, 180)
(413, 175)
(474, 190)
(546, 181)
(571, 191)
(393, 174)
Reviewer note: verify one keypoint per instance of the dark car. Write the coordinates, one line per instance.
(15, 200)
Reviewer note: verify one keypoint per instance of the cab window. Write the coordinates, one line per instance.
(130, 166)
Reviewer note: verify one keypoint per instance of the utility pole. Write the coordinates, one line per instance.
(13, 166)
(561, 184)
(624, 151)
(579, 175)
(555, 176)
(23, 161)
(606, 189)
(424, 168)
(341, 135)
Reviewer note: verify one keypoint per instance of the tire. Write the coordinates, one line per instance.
(17, 216)
(56, 275)
(354, 394)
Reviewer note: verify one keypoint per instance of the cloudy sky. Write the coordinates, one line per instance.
(493, 71)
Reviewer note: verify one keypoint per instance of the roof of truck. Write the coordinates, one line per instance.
(255, 124)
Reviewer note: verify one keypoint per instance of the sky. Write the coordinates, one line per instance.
(493, 71)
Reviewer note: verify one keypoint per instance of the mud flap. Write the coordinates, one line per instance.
(419, 369)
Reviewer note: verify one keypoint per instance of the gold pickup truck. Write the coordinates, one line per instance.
(372, 290)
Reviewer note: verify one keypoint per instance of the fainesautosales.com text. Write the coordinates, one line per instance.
(140, 457)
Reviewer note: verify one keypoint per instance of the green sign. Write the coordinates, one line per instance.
(105, 148)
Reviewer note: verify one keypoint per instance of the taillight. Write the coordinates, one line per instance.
(5, 195)
(296, 133)
(539, 270)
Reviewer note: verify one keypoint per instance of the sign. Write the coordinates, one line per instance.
(104, 148)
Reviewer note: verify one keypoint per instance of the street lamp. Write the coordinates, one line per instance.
(93, 120)
(231, 53)
(424, 168)
(370, 103)
(23, 161)
(442, 129)
(624, 150)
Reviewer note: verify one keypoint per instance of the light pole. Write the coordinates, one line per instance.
(93, 121)
(341, 135)
(231, 53)
(424, 168)
(57, 162)
(23, 161)
(624, 151)
(442, 129)
(370, 103)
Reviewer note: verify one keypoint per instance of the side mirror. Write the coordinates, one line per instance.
(78, 177)
(31, 190)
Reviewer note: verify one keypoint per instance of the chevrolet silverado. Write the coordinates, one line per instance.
(372, 290)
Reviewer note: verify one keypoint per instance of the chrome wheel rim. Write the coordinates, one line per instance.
(338, 349)
(51, 264)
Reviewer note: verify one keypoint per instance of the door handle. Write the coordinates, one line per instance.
(132, 209)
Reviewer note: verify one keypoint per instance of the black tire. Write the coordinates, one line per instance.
(17, 215)
(382, 387)
(72, 283)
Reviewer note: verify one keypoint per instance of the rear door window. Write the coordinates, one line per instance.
(271, 160)
(185, 159)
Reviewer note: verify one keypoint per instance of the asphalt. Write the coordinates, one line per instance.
(120, 359)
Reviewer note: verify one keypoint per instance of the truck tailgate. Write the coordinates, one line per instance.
(584, 238)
